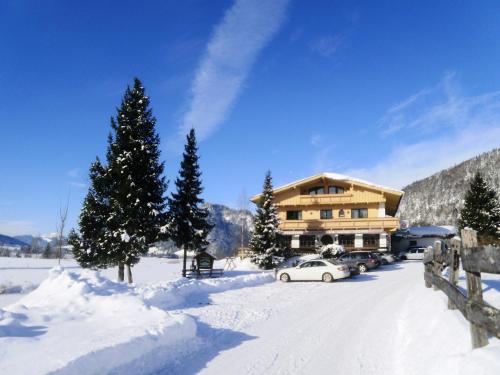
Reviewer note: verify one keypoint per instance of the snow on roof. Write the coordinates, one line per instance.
(338, 177)
(430, 231)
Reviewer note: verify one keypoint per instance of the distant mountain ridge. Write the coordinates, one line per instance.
(438, 199)
(11, 241)
(225, 237)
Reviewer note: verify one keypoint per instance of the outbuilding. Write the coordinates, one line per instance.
(422, 236)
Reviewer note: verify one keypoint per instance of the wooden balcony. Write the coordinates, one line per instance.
(386, 224)
(331, 199)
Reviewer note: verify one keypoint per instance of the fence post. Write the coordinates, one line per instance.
(428, 269)
(428, 265)
(478, 334)
(436, 265)
(453, 264)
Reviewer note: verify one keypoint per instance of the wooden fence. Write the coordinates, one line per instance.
(484, 319)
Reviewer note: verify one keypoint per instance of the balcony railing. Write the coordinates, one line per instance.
(388, 223)
(329, 199)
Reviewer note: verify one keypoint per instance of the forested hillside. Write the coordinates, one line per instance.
(438, 199)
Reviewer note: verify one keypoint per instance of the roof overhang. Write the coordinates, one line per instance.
(393, 196)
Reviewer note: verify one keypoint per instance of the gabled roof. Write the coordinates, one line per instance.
(336, 177)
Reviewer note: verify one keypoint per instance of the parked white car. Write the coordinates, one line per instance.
(388, 258)
(318, 269)
(413, 253)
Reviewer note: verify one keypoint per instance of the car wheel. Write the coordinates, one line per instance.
(403, 257)
(284, 277)
(384, 262)
(327, 277)
(362, 268)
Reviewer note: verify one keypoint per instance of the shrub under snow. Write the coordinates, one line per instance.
(330, 251)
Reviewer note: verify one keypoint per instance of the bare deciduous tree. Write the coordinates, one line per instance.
(243, 209)
(63, 215)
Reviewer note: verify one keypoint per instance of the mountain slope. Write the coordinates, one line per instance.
(11, 241)
(226, 235)
(438, 199)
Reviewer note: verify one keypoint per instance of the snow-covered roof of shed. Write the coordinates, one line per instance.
(430, 231)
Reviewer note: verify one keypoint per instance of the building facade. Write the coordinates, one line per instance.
(332, 208)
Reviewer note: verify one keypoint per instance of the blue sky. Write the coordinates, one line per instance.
(386, 91)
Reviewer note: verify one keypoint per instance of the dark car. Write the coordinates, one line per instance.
(362, 260)
(352, 269)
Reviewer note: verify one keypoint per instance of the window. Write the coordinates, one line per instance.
(307, 241)
(294, 215)
(305, 265)
(370, 240)
(317, 190)
(335, 190)
(325, 214)
(346, 240)
(284, 241)
(359, 213)
(326, 239)
(341, 213)
(318, 264)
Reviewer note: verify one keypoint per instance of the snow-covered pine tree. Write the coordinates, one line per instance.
(125, 208)
(481, 211)
(263, 242)
(188, 223)
(88, 248)
(136, 184)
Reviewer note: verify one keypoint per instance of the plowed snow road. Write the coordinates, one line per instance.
(373, 324)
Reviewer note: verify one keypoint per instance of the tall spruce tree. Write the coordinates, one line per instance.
(125, 208)
(88, 247)
(188, 220)
(481, 211)
(263, 242)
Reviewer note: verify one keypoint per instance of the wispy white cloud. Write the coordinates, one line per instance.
(322, 160)
(76, 178)
(448, 128)
(233, 48)
(74, 173)
(16, 227)
(440, 107)
(327, 45)
(316, 140)
(79, 185)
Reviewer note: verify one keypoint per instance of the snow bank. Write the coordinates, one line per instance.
(177, 292)
(10, 288)
(84, 324)
(435, 340)
(246, 264)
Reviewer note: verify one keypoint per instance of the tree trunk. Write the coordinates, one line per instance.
(121, 271)
(184, 263)
(129, 274)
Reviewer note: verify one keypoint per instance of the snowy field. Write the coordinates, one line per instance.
(71, 321)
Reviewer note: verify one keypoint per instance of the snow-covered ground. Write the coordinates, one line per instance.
(382, 322)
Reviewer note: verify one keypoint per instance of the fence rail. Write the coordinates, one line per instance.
(483, 318)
